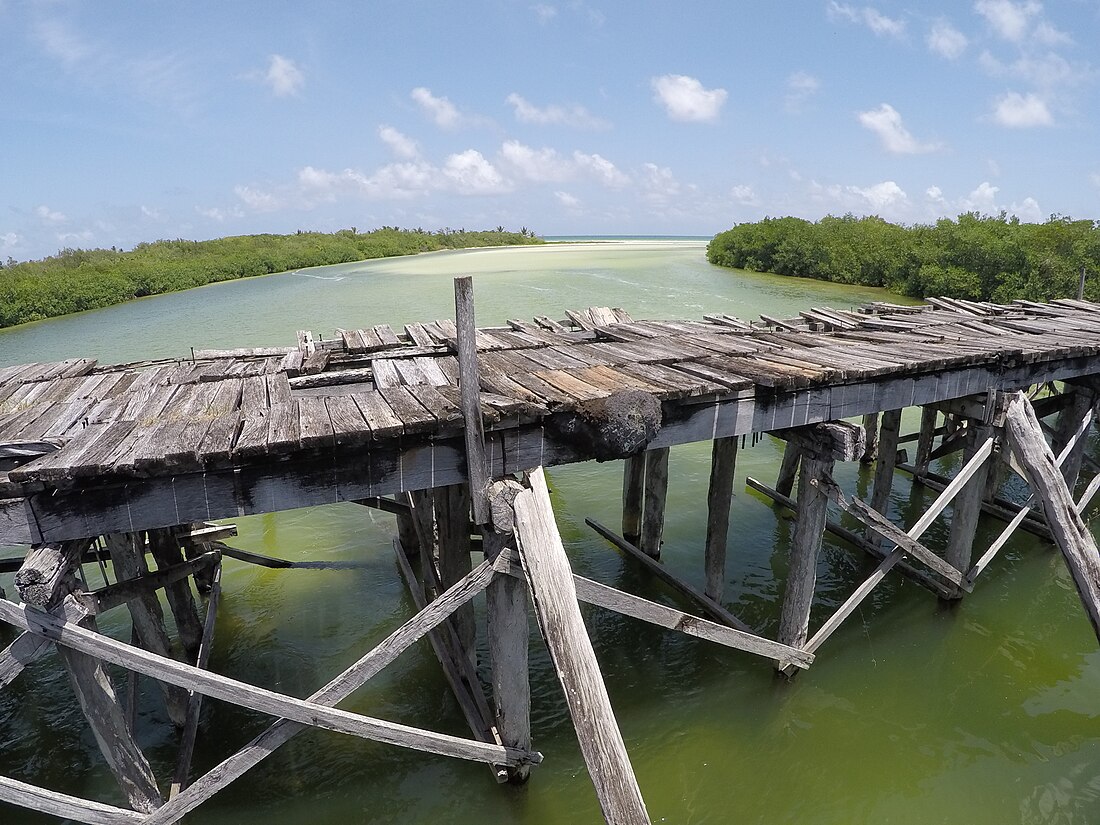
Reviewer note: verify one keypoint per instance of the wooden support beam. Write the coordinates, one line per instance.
(1081, 405)
(887, 459)
(477, 464)
(794, 619)
(331, 694)
(555, 600)
(507, 630)
(968, 505)
(1025, 439)
(452, 515)
(251, 696)
(828, 440)
(916, 531)
(723, 463)
(633, 491)
(194, 699)
(788, 469)
(707, 604)
(841, 532)
(653, 510)
(870, 434)
(45, 567)
(132, 589)
(165, 546)
(28, 648)
(64, 806)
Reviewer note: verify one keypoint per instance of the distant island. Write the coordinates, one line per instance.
(77, 279)
(976, 257)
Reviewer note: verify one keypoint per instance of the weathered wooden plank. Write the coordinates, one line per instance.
(723, 463)
(805, 545)
(477, 465)
(653, 502)
(64, 806)
(555, 601)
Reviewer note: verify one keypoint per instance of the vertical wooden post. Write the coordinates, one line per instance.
(723, 462)
(884, 465)
(477, 465)
(928, 416)
(128, 557)
(809, 528)
(870, 434)
(968, 505)
(656, 489)
(555, 599)
(788, 469)
(633, 490)
(165, 547)
(452, 513)
(1081, 403)
(406, 534)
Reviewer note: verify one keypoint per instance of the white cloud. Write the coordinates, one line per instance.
(576, 116)
(946, 41)
(84, 236)
(1048, 71)
(567, 200)
(220, 215)
(1019, 111)
(659, 183)
(402, 146)
(49, 215)
(600, 168)
(1008, 19)
(544, 13)
(744, 195)
(881, 195)
(868, 16)
(982, 199)
(444, 113)
(538, 165)
(60, 41)
(471, 174)
(1046, 34)
(885, 121)
(801, 86)
(935, 194)
(283, 77)
(1027, 210)
(1095, 178)
(257, 200)
(684, 98)
(152, 213)
(9, 240)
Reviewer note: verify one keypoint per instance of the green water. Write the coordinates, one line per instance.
(984, 713)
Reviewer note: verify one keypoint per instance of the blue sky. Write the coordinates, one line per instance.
(128, 122)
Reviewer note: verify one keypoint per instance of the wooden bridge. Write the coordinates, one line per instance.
(448, 427)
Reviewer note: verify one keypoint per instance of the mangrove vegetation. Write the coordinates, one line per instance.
(977, 257)
(77, 279)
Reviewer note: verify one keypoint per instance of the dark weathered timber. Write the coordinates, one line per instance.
(165, 547)
(633, 493)
(653, 502)
(798, 594)
(889, 433)
(723, 463)
(477, 468)
(452, 515)
(788, 468)
(968, 505)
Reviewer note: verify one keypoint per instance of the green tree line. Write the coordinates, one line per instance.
(977, 257)
(78, 279)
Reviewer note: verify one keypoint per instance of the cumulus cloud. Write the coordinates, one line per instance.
(217, 213)
(601, 169)
(537, 165)
(801, 86)
(982, 199)
(49, 215)
(867, 16)
(1048, 71)
(946, 41)
(258, 200)
(1027, 210)
(9, 240)
(83, 236)
(1008, 19)
(684, 98)
(885, 121)
(881, 195)
(1018, 111)
(442, 112)
(744, 195)
(576, 116)
(283, 77)
(402, 146)
(567, 200)
(471, 174)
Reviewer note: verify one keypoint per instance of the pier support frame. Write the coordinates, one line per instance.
(653, 507)
(723, 463)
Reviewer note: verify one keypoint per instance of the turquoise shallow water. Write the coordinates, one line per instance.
(981, 713)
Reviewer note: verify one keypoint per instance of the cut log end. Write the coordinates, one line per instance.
(615, 427)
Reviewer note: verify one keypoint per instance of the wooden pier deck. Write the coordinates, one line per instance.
(372, 412)
(448, 428)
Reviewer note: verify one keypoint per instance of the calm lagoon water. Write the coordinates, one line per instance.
(913, 713)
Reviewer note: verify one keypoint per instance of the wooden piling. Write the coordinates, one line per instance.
(794, 620)
(653, 511)
(723, 463)
(452, 513)
(165, 546)
(788, 469)
(555, 600)
(871, 436)
(633, 492)
(968, 505)
(128, 558)
(884, 465)
(1082, 402)
(927, 434)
